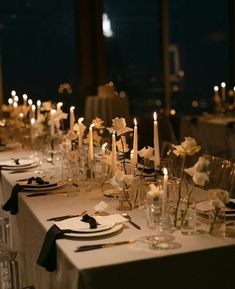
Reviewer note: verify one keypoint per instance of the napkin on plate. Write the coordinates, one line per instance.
(12, 203)
(47, 256)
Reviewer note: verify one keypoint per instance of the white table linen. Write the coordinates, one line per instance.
(203, 261)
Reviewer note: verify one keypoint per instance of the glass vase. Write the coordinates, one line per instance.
(217, 224)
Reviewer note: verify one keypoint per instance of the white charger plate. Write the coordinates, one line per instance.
(112, 230)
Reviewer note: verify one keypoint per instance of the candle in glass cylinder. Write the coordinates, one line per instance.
(38, 108)
(223, 91)
(135, 145)
(71, 117)
(114, 152)
(164, 190)
(90, 144)
(156, 141)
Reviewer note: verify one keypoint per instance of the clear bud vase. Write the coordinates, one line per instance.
(217, 225)
(188, 217)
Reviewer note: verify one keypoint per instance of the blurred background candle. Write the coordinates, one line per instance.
(59, 105)
(30, 103)
(38, 108)
(71, 117)
(156, 141)
(33, 111)
(13, 93)
(25, 100)
(223, 91)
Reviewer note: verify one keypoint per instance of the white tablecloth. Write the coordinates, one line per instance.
(203, 261)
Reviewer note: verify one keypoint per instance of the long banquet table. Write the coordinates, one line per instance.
(203, 261)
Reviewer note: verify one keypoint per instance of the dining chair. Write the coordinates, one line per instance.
(9, 273)
(230, 141)
(221, 174)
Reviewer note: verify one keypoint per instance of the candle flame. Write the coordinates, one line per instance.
(216, 88)
(10, 100)
(234, 88)
(135, 122)
(30, 102)
(223, 84)
(155, 115)
(92, 125)
(16, 98)
(104, 145)
(34, 107)
(39, 103)
(72, 108)
(13, 93)
(25, 96)
(165, 172)
(32, 120)
(21, 115)
(81, 119)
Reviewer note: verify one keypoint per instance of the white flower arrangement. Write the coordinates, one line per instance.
(147, 153)
(218, 199)
(199, 172)
(187, 147)
(119, 126)
(154, 194)
(120, 180)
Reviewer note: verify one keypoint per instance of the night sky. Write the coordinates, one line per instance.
(38, 46)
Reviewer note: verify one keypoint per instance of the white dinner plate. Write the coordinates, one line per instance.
(204, 207)
(24, 162)
(44, 187)
(20, 168)
(113, 229)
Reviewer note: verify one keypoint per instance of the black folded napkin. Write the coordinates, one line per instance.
(230, 205)
(48, 257)
(12, 203)
(92, 221)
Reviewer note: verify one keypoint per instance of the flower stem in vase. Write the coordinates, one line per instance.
(123, 152)
(180, 185)
(214, 219)
(187, 205)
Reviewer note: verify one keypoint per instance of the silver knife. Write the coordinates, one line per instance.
(103, 245)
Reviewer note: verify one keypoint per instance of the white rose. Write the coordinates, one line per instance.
(187, 147)
(146, 153)
(200, 178)
(119, 126)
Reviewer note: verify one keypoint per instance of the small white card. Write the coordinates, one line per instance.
(101, 206)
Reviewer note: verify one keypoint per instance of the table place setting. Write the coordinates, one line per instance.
(31, 184)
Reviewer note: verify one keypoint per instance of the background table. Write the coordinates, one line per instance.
(215, 134)
(106, 109)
